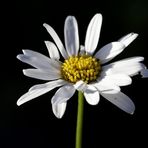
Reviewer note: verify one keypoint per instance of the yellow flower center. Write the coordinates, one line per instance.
(81, 67)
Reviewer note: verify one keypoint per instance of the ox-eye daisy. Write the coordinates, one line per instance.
(83, 69)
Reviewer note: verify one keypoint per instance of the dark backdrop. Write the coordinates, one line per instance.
(33, 124)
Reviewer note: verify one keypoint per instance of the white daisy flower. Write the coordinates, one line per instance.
(83, 69)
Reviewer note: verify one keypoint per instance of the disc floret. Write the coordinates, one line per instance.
(81, 67)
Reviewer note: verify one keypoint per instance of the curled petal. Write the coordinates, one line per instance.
(127, 39)
(80, 86)
(92, 95)
(59, 109)
(144, 73)
(63, 94)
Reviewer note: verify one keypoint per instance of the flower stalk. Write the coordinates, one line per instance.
(79, 126)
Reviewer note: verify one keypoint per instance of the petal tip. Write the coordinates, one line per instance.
(45, 25)
(144, 72)
(59, 117)
(18, 103)
(59, 109)
(24, 72)
(46, 42)
(70, 17)
(132, 113)
(18, 56)
(135, 35)
(98, 15)
(23, 50)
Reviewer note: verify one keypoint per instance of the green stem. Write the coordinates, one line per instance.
(79, 120)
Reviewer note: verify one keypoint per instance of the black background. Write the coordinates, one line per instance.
(33, 124)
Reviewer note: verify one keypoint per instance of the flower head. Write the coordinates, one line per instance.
(83, 69)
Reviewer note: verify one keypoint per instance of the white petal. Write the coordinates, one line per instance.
(71, 36)
(105, 84)
(31, 53)
(56, 39)
(39, 61)
(80, 86)
(119, 79)
(127, 39)
(53, 51)
(59, 82)
(120, 100)
(38, 92)
(92, 95)
(42, 75)
(130, 60)
(34, 59)
(144, 73)
(129, 66)
(93, 34)
(59, 109)
(82, 50)
(63, 94)
(109, 51)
